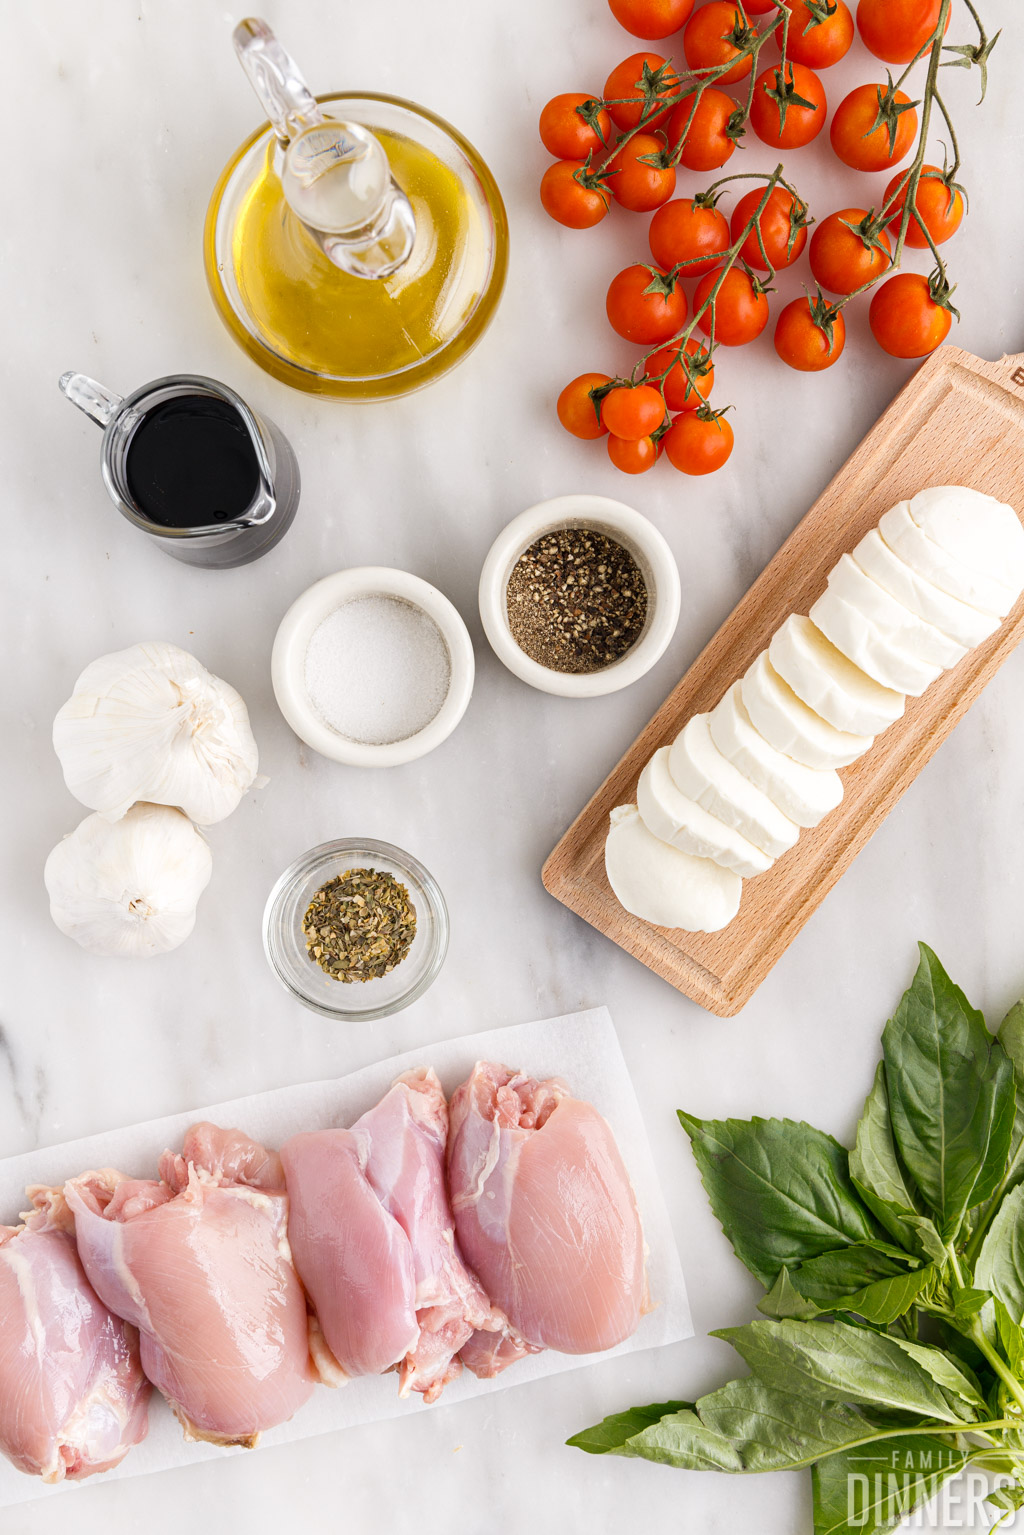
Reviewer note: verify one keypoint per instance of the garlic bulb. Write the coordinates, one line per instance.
(129, 886)
(151, 723)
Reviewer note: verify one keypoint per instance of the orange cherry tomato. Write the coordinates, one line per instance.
(897, 30)
(714, 35)
(633, 455)
(707, 144)
(634, 181)
(626, 99)
(651, 19)
(686, 231)
(632, 411)
(567, 200)
(782, 225)
(841, 260)
(820, 32)
(698, 443)
(938, 208)
(644, 316)
(576, 407)
(803, 342)
(567, 135)
(740, 309)
(788, 110)
(683, 389)
(905, 320)
(857, 140)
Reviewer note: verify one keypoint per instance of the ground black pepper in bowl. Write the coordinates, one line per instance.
(576, 601)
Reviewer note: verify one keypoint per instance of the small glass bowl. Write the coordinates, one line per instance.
(285, 942)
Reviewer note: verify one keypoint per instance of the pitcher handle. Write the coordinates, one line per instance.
(99, 403)
(276, 79)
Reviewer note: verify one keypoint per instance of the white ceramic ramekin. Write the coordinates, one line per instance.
(628, 528)
(288, 663)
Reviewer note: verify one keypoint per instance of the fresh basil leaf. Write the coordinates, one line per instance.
(950, 1090)
(841, 1363)
(871, 1489)
(946, 1373)
(781, 1190)
(967, 1302)
(887, 1299)
(785, 1302)
(611, 1433)
(1000, 1265)
(858, 1279)
(878, 1178)
(1011, 1339)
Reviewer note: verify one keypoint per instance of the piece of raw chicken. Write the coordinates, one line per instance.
(545, 1214)
(199, 1262)
(374, 1242)
(73, 1398)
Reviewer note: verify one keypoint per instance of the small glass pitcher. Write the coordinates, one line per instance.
(217, 546)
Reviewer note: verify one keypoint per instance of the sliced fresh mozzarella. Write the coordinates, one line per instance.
(786, 722)
(966, 625)
(930, 560)
(830, 684)
(661, 884)
(674, 817)
(869, 648)
(974, 529)
(885, 612)
(802, 793)
(703, 774)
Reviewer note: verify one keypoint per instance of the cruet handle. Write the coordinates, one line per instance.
(275, 77)
(98, 402)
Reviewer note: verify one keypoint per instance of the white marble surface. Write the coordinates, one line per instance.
(119, 118)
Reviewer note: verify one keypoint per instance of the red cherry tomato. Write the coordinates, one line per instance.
(683, 389)
(634, 181)
(567, 200)
(707, 144)
(788, 110)
(685, 231)
(639, 314)
(632, 411)
(740, 309)
(841, 259)
(698, 443)
(567, 135)
(938, 207)
(816, 39)
(633, 455)
(857, 140)
(782, 225)
(651, 19)
(714, 35)
(576, 408)
(897, 30)
(626, 99)
(804, 342)
(905, 320)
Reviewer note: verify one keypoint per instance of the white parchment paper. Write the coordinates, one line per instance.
(581, 1047)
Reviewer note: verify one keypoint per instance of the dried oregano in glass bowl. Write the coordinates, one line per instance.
(360, 925)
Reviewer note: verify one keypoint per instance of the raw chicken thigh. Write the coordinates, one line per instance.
(544, 1213)
(73, 1398)
(374, 1241)
(199, 1262)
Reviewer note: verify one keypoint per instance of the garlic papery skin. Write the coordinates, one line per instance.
(129, 886)
(151, 723)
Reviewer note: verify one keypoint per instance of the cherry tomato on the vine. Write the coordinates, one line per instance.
(788, 109)
(626, 100)
(862, 141)
(683, 389)
(567, 200)
(714, 35)
(685, 230)
(842, 259)
(632, 411)
(897, 30)
(905, 318)
(567, 135)
(576, 408)
(698, 442)
(636, 183)
(740, 308)
(644, 306)
(783, 226)
(820, 32)
(707, 144)
(633, 455)
(938, 207)
(651, 19)
(809, 336)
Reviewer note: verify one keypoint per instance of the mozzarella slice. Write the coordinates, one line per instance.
(907, 539)
(790, 726)
(976, 530)
(869, 648)
(661, 884)
(830, 684)
(966, 625)
(912, 634)
(673, 817)
(703, 774)
(802, 793)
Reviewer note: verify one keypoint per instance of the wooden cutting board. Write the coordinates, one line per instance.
(958, 421)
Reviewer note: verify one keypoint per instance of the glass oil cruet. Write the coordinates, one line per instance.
(355, 245)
